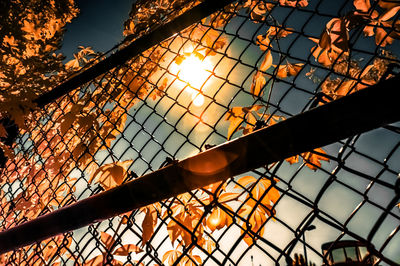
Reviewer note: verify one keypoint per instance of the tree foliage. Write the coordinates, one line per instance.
(30, 34)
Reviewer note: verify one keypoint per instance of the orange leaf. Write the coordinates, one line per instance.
(126, 249)
(171, 256)
(279, 32)
(219, 218)
(267, 62)
(289, 70)
(387, 4)
(362, 5)
(389, 13)
(369, 31)
(257, 219)
(263, 42)
(312, 160)
(325, 40)
(235, 117)
(149, 222)
(191, 260)
(294, 3)
(107, 239)
(338, 34)
(111, 175)
(228, 196)
(209, 245)
(246, 180)
(382, 38)
(98, 260)
(258, 188)
(293, 159)
(257, 84)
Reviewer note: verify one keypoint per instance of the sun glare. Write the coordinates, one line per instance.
(198, 99)
(195, 72)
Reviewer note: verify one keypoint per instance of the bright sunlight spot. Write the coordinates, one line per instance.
(198, 99)
(195, 72)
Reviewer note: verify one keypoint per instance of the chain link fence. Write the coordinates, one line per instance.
(247, 66)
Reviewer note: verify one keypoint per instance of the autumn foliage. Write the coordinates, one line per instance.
(77, 127)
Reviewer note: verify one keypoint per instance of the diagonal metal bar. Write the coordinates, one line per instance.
(357, 113)
(135, 48)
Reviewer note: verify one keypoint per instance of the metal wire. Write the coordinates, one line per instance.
(142, 114)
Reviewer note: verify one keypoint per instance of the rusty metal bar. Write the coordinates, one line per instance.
(357, 113)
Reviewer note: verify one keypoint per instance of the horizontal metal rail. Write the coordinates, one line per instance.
(138, 46)
(354, 114)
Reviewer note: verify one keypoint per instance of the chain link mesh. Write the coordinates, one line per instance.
(195, 90)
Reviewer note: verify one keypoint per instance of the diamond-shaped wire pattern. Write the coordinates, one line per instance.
(174, 101)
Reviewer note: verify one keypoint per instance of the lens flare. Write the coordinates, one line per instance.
(198, 100)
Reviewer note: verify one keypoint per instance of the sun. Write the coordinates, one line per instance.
(195, 72)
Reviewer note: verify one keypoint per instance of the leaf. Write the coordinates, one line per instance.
(289, 70)
(267, 62)
(362, 5)
(98, 260)
(149, 222)
(382, 38)
(279, 32)
(293, 159)
(323, 56)
(338, 33)
(263, 42)
(214, 187)
(368, 31)
(389, 13)
(7, 150)
(387, 4)
(171, 256)
(73, 64)
(258, 188)
(185, 231)
(129, 28)
(66, 122)
(107, 240)
(126, 249)
(227, 196)
(209, 245)
(246, 180)
(294, 3)
(325, 40)
(256, 220)
(9, 41)
(218, 218)
(312, 160)
(235, 117)
(191, 260)
(111, 175)
(257, 84)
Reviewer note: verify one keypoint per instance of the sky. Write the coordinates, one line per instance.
(99, 25)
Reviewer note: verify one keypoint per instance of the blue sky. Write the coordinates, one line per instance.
(99, 25)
